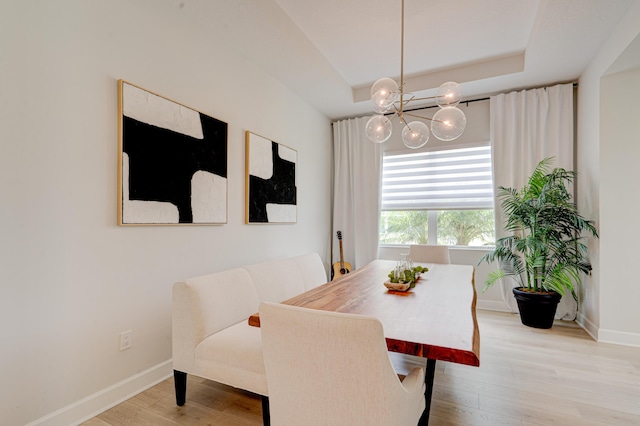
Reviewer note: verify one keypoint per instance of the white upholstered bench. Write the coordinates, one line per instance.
(211, 334)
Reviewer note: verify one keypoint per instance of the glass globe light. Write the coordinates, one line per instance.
(384, 93)
(381, 102)
(448, 123)
(449, 94)
(415, 134)
(378, 128)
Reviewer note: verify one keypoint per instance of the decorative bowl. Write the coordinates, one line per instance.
(397, 286)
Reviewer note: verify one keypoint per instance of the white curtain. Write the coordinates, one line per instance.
(356, 199)
(526, 127)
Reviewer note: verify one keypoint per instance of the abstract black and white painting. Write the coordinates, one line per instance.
(172, 162)
(271, 195)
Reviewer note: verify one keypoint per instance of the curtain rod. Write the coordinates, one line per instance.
(486, 98)
(461, 102)
(575, 84)
(427, 107)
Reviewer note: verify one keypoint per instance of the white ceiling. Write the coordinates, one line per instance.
(361, 39)
(331, 51)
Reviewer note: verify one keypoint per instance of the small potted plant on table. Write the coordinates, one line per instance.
(545, 254)
(404, 276)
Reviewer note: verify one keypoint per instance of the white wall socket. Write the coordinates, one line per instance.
(125, 340)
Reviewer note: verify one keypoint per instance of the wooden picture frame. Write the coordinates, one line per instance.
(271, 191)
(172, 162)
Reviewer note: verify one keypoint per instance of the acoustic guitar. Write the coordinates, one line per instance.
(340, 268)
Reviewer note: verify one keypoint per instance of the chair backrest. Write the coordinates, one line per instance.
(276, 280)
(311, 270)
(279, 280)
(328, 368)
(429, 253)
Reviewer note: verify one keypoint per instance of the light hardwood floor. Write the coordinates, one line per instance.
(526, 377)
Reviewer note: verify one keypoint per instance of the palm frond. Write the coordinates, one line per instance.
(546, 251)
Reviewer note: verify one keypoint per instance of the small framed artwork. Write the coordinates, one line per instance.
(172, 162)
(271, 193)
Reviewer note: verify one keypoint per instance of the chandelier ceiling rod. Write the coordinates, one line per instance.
(401, 62)
(447, 124)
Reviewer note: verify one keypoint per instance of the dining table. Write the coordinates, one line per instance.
(436, 319)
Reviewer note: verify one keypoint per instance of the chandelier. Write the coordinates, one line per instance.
(390, 99)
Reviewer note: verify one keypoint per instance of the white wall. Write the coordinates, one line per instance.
(71, 279)
(619, 206)
(607, 312)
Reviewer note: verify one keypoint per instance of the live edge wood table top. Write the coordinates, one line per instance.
(436, 319)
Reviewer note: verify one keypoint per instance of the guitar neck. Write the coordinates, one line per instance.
(341, 256)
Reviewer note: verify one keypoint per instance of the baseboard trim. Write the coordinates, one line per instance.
(92, 405)
(492, 305)
(602, 335)
(587, 325)
(619, 337)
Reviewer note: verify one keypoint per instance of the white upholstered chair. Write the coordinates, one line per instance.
(328, 368)
(429, 253)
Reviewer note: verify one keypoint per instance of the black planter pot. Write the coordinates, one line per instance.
(536, 309)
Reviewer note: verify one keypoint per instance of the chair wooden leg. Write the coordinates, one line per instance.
(428, 391)
(266, 417)
(180, 382)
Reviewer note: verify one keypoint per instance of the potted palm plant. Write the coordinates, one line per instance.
(545, 253)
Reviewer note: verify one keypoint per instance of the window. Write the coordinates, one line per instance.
(438, 197)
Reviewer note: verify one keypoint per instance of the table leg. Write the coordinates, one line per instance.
(266, 415)
(428, 381)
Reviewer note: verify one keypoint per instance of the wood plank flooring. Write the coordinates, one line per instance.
(527, 377)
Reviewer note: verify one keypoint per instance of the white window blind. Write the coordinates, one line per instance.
(453, 179)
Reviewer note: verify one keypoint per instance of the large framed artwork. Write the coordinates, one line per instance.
(172, 162)
(271, 193)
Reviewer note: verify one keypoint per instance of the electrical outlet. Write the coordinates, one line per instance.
(125, 340)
